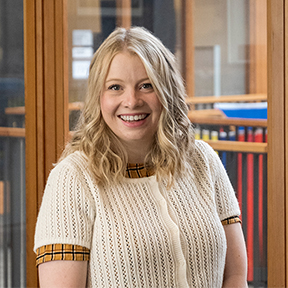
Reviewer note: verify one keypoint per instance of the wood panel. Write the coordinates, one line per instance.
(227, 121)
(31, 137)
(237, 146)
(62, 79)
(258, 47)
(286, 132)
(276, 146)
(39, 99)
(188, 46)
(49, 77)
(124, 13)
(12, 132)
(227, 98)
(45, 56)
(20, 110)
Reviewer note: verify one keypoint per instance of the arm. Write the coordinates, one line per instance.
(235, 274)
(63, 274)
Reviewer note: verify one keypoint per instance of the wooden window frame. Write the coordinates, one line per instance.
(46, 96)
(258, 47)
(277, 22)
(46, 104)
(188, 46)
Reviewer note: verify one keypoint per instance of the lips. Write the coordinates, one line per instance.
(133, 118)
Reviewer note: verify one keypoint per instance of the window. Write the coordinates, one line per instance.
(12, 147)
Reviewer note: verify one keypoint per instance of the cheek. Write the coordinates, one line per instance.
(108, 107)
(157, 105)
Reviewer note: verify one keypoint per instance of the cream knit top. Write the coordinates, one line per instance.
(139, 233)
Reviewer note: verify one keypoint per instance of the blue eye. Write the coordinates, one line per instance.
(114, 87)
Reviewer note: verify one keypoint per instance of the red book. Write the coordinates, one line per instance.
(259, 138)
(241, 137)
(250, 207)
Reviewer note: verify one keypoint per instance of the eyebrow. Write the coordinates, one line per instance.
(120, 80)
(113, 80)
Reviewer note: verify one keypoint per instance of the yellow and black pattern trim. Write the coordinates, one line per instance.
(231, 220)
(138, 171)
(62, 252)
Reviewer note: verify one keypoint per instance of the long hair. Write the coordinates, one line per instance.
(174, 140)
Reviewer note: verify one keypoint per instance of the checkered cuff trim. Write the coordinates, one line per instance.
(231, 220)
(70, 252)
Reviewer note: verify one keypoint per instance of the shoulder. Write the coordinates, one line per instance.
(69, 179)
(73, 167)
(69, 195)
(74, 162)
(203, 147)
(205, 158)
(203, 152)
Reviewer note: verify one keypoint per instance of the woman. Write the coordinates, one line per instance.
(162, 228)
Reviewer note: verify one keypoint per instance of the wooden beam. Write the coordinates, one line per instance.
(228, 121)
(124, 13)
(207, 113)
(286, 131)
(237, 146)
(258, 47)
(15, 110)
(277, 153)
(61, 75)
(46, 98)
(20, 110)
(12, 132)
(227, 98)
(188, 46)
(31, 137)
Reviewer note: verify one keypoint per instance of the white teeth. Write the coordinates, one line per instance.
(133, 118)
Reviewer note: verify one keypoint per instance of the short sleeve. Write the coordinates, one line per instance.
(225, 198)
(67, 210)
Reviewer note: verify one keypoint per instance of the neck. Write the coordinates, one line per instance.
(136, 153)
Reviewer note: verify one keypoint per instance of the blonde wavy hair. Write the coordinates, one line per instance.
(174, 141)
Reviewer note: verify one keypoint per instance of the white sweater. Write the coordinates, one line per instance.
(139, 234)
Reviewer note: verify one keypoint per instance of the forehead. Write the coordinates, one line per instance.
(124, 63)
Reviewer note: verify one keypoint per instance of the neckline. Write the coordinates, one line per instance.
(138, 170)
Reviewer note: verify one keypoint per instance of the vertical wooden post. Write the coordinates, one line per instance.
(277, 148)
(46, 104)
(124, 13)
(31, 137)
(258, 47)
(286, 133)
(188, 46)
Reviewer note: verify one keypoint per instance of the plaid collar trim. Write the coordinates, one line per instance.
(138, 171)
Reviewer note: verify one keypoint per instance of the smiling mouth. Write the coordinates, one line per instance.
(134, 118)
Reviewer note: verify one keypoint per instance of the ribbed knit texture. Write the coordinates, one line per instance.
(139, 234)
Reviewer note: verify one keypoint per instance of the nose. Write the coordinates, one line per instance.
(132, 99)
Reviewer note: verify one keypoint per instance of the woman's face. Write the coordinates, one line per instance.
(129, 104)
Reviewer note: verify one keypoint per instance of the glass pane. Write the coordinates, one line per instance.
(12, 146)
(231, 59)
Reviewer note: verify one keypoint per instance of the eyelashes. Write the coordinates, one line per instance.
(147, 86)
(114, 87)
(117, 87)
